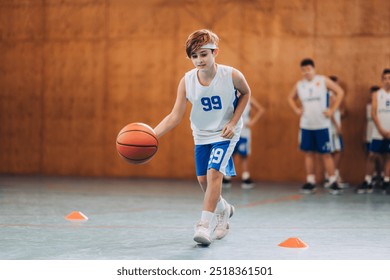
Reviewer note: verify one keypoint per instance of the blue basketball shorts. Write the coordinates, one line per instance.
(217, 156)
(243, 147)
(316, 140)
(380, 146)
(338, 143)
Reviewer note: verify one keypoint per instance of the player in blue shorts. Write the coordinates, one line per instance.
(216, 125)
(374, 162)
(243, 146)
(380, 112)
(337, 137)
(315, 122)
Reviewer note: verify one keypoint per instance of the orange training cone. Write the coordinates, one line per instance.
(76, 216)
(293, 242)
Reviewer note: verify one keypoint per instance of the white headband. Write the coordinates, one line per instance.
(209, 46)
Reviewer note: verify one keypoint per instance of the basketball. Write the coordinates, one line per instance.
(137, 143)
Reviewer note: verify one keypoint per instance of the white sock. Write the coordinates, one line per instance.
(207, 217)
(220, 206)
(245, 175)
(386, 179)
(332, 179)
(337, 173)
(311, 179)
(368, 179)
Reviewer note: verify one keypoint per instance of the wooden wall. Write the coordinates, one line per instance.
(74, 72)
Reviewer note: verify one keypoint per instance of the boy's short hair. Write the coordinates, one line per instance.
(374, 89)
(200, 38)
(307, 61)
(385, 72)
(334, 78)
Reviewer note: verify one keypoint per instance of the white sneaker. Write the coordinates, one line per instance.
(222, 228)
(342, 184)
(202, 233)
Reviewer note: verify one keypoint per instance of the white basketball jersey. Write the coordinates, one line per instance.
(315, 100)
(212, 106)
(383, 112)
(370, 123)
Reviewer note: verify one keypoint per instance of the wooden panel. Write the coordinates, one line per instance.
(21, 21)
(73, 96)
(20, 108)
(347, 18)
(77, 71)
(73, 22)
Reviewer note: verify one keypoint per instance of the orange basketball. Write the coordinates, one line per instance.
(137, 143)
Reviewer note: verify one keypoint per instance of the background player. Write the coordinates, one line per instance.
(243, 147)
(374, 162)
(380, 143)
(337, 137)
(315, 121)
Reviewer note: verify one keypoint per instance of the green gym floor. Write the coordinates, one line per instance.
(135, 219)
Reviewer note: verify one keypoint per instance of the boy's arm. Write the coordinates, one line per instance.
(338, 91)
(177, 113)
(291, 100)
(242, 86)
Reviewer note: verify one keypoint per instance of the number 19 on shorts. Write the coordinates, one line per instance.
(216, 155)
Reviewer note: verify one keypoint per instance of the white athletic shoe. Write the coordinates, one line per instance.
(222, 228)
(202, 233)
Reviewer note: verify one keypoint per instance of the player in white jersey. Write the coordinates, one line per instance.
(315, 122)
(380, 144)
(243, 146)
(337, 137)
(374, 161)
(216, 125)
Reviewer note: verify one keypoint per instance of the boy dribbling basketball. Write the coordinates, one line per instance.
(216, 125)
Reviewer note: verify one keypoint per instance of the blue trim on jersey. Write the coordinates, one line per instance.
(214, 156)
(327, 99)
(235, 102)
(317, 140)
(380, 146)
